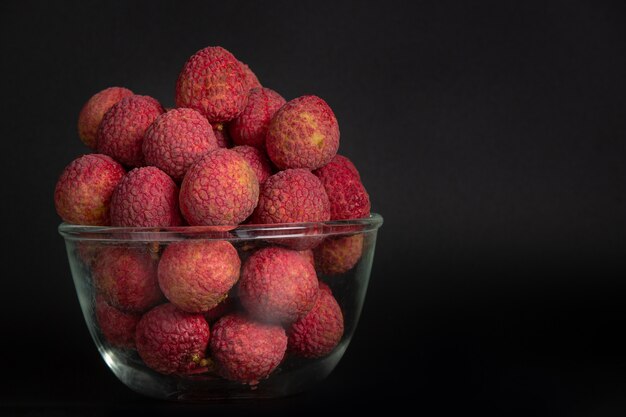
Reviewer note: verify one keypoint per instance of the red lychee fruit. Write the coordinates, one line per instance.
(213, 82)
(347, 195)
(319, 332)
(176, 140)
(338, 255)
(196, 275)
(292, 196)
(146, 197)
(117, 326)
(171, 341)
(247, 351)
(91, 114)
(278, 285)
(220, 189)
(257, 160)
(251, 81)
(127, 278)
(83, 191)
(222, 136)
(122, 129)
(250, 127)
(303, 134)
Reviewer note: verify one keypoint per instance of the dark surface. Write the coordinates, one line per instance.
(490, 137)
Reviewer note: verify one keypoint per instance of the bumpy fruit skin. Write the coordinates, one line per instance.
(308, 255)
(250, 79)
(83, 191)
(278, 285)
(171, 341)
(222, 136)
(117, 326)
(303, 134)
(146, 197)
(291, 196)
(176, 140)
(257, 160)
(319, 332)
(250, 127)
(94, 109)
(225, 307)
(335, 256)
(121, 131)
(213, 82)
(247, 351)
(196, 275)
(127, 278)
(220, 189)
(347, 195)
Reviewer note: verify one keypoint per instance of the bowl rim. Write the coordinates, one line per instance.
(232, 232)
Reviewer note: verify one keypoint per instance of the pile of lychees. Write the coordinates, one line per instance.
(231, 152)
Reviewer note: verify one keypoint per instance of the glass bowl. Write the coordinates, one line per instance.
(342, 259)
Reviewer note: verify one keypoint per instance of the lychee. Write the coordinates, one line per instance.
(308, 255)
(176, 140)
(118, 327)
(123, 126)
(338, 255)
(247, 351)
(347, 195)
(250, 127)
(92, 112)
(196, 275)
(291, 196)
(278, 285)
(83, 191)
(171, 341)
(146, 197)
(319, 332)
(213, 82)
(303, 134)
(127, 278)
(220, 189)
(257, 160)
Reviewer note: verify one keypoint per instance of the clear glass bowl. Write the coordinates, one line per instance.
(345, 273)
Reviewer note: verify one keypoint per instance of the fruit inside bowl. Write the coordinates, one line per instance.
(189, 313)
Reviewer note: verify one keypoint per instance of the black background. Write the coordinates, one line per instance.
(491, 137)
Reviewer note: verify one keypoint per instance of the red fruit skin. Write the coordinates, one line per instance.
(220, 189)
(171, 341)
(176, 140)
(127, 278)
(123, 126)
(336, 256)
(146, 197)
(247, 351)
(278, 285)
(304, 133)
(347, 195)
(250, 79)
(213, 82)
(94, 109)
(308, 255)
(117, 326)
(257, 160)
(83, 191)
(222, 136)
(319, 332)
(292, 196)
(250, 127)
(196, 276)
